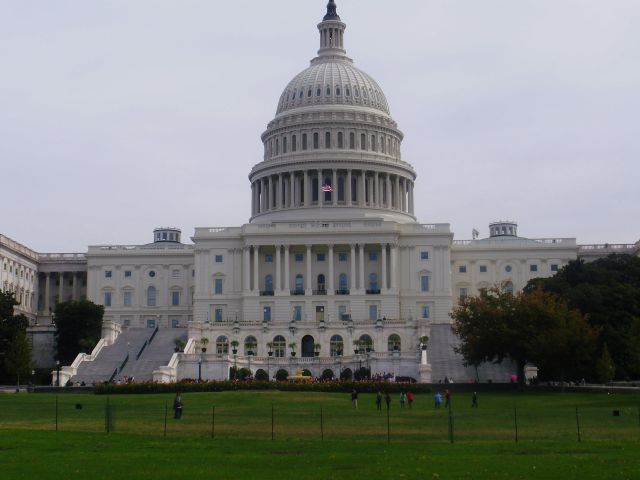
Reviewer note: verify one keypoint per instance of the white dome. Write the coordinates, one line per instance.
(333, 81)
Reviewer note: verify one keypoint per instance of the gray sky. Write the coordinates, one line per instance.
(119, 116)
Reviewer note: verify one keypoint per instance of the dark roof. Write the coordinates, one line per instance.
(332, 13)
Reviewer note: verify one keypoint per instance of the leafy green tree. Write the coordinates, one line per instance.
(12, 329)
(605, 368)
(18, 362)
(534, 327)
(607, 292)
(78, 328)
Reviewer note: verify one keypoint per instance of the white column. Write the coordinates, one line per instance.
(361, 252)
(394, 269)
(389, 203)
(348, 188)
(307, 190)
(287, 282)
(292, 190)
(376, 179)
(331, 288)
(256, 259)
(74, 291)
(320, 192)
(278, 287)
(334, 194)
(383, 258)
(47, 292)
(270, 194)
(309, 283)
(363, 189)
(279, 192)
(352, 277)
(60, 287)
(397, 195)
(246, 264)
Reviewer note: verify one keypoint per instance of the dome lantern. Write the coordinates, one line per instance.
(331, 33)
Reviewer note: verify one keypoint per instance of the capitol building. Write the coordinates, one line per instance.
(332, 272)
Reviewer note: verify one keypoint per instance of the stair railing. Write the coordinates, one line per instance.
(126, 359)
(113, 375)
(144, 345)
(155, 330)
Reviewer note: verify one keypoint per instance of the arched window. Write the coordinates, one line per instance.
(347, 91)
(316, 141)
(284, 145)
(338, 91)
(336, 346)
(356, 91)
(352, 140)
(382, 145)
(366, 342)
(321, 283)
(151, 297)
(299, 283)
(304, 141)
(309, 93)
(508, 287)
(294, 143)
(343, 282)
(328, 91)
(373, 143)
(340, 140)
(318, 92)
(327, 140)
(341, 189)
(373, 282)
(268, 283)
(250, 345)
(279, 344)
(222, 345)
(277, 146)
(363, 142)
(394, 343)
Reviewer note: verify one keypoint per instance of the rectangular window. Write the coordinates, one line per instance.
(424, 255)
(299, 257)
(363, 142)
(268, 258)
(304, 141)
(107, 274)
(554, 267)
(126, 299)
(327, 140)
(373, 312)
(424, 283)
(217, 315)
(175, 323)
(126, 322)
(533, 268)
(462, 269)
(320, 257)
(352, 141)
(342, 257)
(218, 258)
(373, 256)
(342, 312)
(316, 141)
(483, 269)
(463, 293)
(175, 298)
(127, 274)
(424, 311)
(151, 323)
(297, 313)
(107, 299)
(266, 314)
(175, 273)
(218, 286)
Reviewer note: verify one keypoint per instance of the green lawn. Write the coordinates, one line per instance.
(346, 443)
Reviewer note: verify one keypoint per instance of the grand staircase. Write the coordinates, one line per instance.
(137, 352)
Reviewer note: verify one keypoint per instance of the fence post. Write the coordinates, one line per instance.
(515, 421)
(321, 426)
(166, 410)
(213, 422)
(56, 413)
(578, 425)
(450, 421)
(272, 422)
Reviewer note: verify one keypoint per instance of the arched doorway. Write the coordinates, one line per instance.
(307, 346)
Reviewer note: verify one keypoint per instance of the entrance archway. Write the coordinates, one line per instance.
(307, 346)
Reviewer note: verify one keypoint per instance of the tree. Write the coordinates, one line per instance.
(607, 292)
(534, 327)
(605, 368)
(18, 362)
(13, 330)
(78, 328)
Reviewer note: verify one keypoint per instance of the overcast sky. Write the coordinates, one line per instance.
(120, 116)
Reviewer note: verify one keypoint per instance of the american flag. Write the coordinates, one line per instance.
(326, 188)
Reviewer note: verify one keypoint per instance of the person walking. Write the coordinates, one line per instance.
(354, 398)
(410, 399)
(177, 406)
(447, 399)
(403, 397)
(437, 398)
(379, 400)
(387, 399)
(474, 400)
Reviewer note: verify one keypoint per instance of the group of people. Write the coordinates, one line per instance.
(447, 399)
(407, 398)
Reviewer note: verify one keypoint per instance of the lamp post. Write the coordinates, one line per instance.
(199, 368)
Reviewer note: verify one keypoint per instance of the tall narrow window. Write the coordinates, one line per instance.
(294, 143)
(340, 140)
(373, 143)
(424, 283)
(284, 145)
(316, 140)
(352, 140)
(175, 298)
(277, 146)
(107, 299)
(343, 283)
(217, 288)
(299, 283)
(327, 140)
(363, 141)
(304, 141)
(268, 284)
(151, 297)
(297, 313)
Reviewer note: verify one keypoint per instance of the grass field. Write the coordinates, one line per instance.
(318, 435)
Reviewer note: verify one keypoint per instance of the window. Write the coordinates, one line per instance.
(309, 93)
(175, 273)
(222, 345)
(328, 92)
(336, 346)
(352, 141)
(316, 140)
(266, 314)
(299, 283)
(373, 256)
(338, 92)
(217, 289)
(327, 140)
(250, 345)
(394, 343)
(152, 274)
(483, 269)
(217, 314)
(318, 92)
(463, 293)
(424, 283)
(533, 268)
(175, 323)
(151, 297)
(268, 283)
(284, 143)
(299, 257)
(462, 269)
(424, 255)
(294, 140)
(304, 141)
(320, 257)
(343, 283)
(268, 258)
(151, 323)
(508, 268)
(127, 274)
(373, 143)
(340, 140)
(107, 299)
(297, 313)
(342, 313)
(126, 322)
(363, 141)
(126, 298)
(554, 267)
(424, 311)
(175, 298)
(373, 312)
(218, 258)
(279, 344)
(342, 257)
(321, 283)
(107, 274)
(373, 282)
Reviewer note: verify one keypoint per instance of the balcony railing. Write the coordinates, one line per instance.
(297, 291)
(266, 293)
(342, 292)
(373, 291)
(320, 292)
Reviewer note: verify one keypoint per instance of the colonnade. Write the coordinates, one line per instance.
(386, 266)
(76, 287)
(332, 187)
